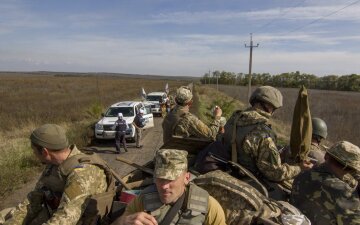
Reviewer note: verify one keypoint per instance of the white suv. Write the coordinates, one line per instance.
(154, 98)
(104, 127)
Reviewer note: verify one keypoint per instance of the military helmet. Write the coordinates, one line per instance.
(319, 127)
(346, 153)
(50, 136)
(183, 95)
(268, 95)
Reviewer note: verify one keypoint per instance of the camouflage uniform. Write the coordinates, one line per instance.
(258, 151)
(325, 198)
(181, 122)
(198, 206)
(83, 181)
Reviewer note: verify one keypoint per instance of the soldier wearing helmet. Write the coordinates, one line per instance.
(329, 193)
(181, 122)
(68, 184)
(319, 133)
(251, 142)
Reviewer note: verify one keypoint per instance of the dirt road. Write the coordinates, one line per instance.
(151, 140)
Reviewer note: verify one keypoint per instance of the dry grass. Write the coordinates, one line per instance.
(339, 109)
(73, 102)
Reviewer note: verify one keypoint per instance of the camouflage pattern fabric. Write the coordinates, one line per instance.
(183, 95)
(83, 181)
(170, 163)
(347, 154)
(326, 199)
(259, 148)
(181, 122)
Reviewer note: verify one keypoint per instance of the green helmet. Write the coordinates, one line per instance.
(319, 127)
(346, 153)
(268, 95)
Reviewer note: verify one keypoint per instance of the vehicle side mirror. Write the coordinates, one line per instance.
(102, 114)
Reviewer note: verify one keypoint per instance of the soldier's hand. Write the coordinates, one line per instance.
(140, 218)
(306, 165)
(217, 112)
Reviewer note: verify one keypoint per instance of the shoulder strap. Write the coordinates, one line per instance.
(170, 215)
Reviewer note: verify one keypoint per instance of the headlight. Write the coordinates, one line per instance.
(99, 127)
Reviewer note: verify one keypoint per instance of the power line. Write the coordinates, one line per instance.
(323, 17)
(280, 16)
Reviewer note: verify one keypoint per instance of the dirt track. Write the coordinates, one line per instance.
(151, 140)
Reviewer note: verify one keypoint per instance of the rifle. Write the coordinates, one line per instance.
(241, 169)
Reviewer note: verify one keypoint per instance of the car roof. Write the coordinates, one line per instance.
(125, 104)
(156, 93)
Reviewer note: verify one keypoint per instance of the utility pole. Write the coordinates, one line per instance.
(217, 82)
(251, 46)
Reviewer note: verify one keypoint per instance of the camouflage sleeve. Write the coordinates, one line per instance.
(198, 129)
(216, 215)
(342, 203)
(82, 182)
(30, 208)
(268, 160)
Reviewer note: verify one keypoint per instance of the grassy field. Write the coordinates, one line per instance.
(340, 110)
(75, 102)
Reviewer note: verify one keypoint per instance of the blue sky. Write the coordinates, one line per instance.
(180, 37)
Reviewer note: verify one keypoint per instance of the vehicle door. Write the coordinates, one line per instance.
(148, 115)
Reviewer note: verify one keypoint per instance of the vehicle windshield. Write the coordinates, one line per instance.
(154, 98)
(126, 111)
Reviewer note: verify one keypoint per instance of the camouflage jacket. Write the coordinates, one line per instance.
(257, 151)
(181, 122)
(60, 200)
(326, 199)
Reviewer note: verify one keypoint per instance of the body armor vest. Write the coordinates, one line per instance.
(120, 126)
(192, 212)
(54, 184)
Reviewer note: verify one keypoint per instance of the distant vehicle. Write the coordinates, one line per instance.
(155, 98)
(104, 128)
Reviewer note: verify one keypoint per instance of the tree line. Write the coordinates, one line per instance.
(292, 80)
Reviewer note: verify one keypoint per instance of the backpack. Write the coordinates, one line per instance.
(139, 121)
(244, 204)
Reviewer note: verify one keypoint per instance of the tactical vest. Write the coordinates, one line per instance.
(98, 205)
(169, 124)
(235, 137)
(193, 211)
(121, 126)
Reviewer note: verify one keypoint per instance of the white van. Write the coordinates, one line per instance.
(104, 127)
(154, 98)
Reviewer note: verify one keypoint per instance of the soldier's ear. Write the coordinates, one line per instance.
(187, 178)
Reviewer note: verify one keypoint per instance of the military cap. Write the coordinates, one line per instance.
(183, 95)
(346, 153)
(268, 95)
(170, 163)
(50, 136)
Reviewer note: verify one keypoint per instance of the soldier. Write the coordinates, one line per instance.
(254, 145)
(181, 122)
(120, 127)
(68, 181)
(319, 133)
(329, 193)
(172, 200)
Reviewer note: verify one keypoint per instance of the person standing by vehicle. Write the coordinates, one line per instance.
(120, 127)
(139, 123)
